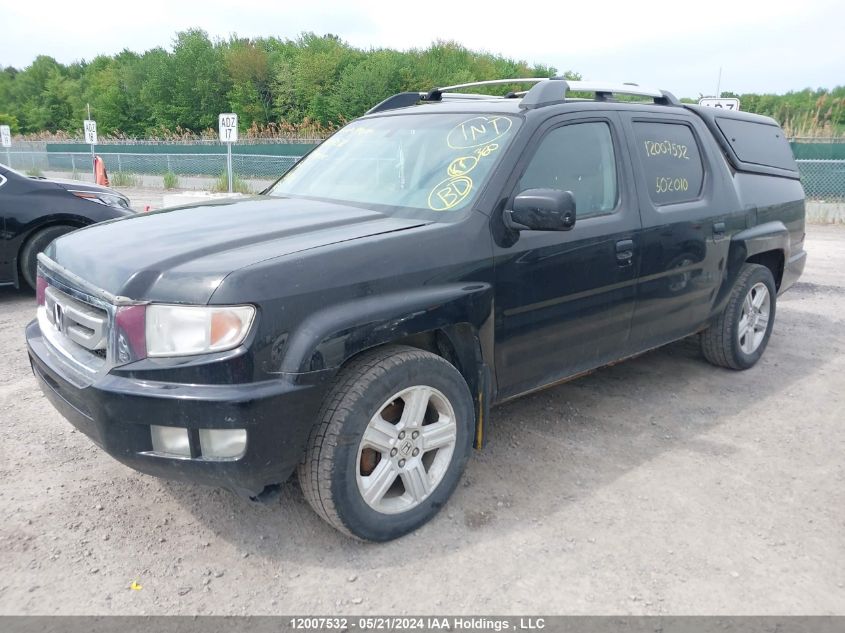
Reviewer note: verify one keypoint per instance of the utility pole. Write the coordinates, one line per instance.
(719, 84)
(93, 159)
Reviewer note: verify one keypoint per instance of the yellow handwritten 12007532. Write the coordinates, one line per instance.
(666, 148)
(477, 131)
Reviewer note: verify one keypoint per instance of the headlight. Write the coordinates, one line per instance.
(174, 330)
(102, 197)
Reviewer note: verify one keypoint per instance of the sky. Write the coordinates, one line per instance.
(674, 45)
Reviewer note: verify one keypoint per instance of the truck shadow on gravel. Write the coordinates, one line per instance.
(546, 451)
(12, 295)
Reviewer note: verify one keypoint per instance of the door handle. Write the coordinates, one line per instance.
(624, 252)
(719, 229)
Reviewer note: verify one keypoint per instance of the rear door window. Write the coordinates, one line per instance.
(758, 143)
(671, 161)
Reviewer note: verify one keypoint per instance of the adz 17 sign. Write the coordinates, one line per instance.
(728, 103)
(227, 125)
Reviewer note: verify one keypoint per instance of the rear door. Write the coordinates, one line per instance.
(564, 300)
(688, 209)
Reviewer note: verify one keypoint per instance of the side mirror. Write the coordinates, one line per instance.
(541, 210)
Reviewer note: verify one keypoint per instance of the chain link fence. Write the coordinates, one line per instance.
(823, 179)
(252, 172)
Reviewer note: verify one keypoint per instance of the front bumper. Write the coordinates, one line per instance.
(116, 413)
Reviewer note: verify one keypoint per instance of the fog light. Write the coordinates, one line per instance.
(172, 440)
(222, 442)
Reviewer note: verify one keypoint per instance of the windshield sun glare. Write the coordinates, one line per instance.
(427, 162)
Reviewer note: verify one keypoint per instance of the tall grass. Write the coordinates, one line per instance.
(221, 185)
(171, 180)
(123, 179)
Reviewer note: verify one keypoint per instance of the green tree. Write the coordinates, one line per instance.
(187, 89)
(11, 121)
(272, 82)
(113, 87)
(42, 96)
(373, 79)
(304, 88)
(248, 65)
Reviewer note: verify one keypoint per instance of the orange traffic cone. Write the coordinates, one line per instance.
(100, 171)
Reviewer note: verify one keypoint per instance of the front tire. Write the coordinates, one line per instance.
(392, 441)
(36, 244)
(739, 336)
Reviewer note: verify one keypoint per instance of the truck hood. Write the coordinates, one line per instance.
(181, 255)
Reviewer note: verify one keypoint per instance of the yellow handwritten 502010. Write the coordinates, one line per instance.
(665, 185)
(666, 148)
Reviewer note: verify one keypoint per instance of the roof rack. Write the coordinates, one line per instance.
(436, 94)
(549, 92)
(546, 91)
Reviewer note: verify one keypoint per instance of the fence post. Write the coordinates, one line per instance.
(119, 164)
(168, 163)
(229, 164)
(73, 163)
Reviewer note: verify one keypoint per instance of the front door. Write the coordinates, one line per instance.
(564, 300)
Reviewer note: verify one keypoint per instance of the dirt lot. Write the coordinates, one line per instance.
(661, 485)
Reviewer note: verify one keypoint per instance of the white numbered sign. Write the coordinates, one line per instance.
(5, 136)
(228, 127)
(725, 104)
(90, 131)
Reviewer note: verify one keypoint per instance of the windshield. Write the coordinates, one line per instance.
(427, 163)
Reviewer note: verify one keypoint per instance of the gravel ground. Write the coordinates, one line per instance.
(659, 486)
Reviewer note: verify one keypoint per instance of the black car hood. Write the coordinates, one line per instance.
(181, 255)
(76, 185)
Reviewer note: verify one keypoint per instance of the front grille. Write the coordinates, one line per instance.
(77, 326)
(82, 323)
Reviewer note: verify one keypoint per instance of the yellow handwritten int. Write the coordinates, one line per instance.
(479, 130)
(449, 193)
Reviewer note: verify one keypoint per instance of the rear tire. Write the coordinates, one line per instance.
(392, 440)
(739, 336)
(36, 244)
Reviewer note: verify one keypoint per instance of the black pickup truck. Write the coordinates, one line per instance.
(446, 252)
